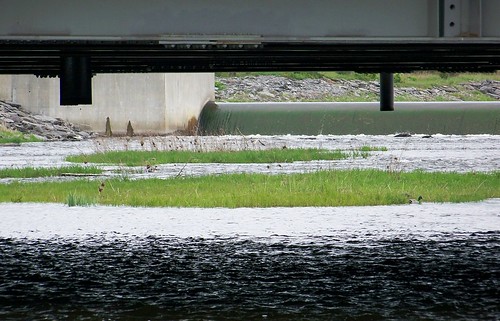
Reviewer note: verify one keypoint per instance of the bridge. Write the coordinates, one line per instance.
(74, 40)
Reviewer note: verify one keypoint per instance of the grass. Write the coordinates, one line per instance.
(373, 148)
(142, 158)
(8, 136)
(77, 200)
(324, 188)
(31, 172)
(421, 80)
(299, 75)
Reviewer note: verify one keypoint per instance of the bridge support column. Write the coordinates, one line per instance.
(75, 80)
(154, 103)
(386, 91)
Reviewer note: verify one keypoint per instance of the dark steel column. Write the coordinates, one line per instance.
(386, 91)
(75, 80)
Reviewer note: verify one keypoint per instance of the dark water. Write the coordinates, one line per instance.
(448, 277)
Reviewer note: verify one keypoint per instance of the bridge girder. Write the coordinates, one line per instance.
(57, 38)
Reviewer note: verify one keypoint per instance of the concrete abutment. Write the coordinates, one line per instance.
(153, 103)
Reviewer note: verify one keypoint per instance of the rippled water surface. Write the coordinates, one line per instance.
(429, 261)
(407, 262)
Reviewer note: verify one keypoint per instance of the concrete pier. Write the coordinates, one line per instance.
(154, 103)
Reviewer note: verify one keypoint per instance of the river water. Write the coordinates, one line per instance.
(406, 262)
(439, 153)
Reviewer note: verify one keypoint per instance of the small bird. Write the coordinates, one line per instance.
(101, 187)
(416, 201)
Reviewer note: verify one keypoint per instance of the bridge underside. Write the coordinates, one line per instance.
(48, 58)
(77, 39)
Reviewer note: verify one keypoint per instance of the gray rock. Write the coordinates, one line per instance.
(44, 127)
(283, 89)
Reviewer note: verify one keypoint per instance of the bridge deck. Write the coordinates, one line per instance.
(227, 35)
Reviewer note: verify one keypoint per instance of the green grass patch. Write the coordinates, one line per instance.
(324, 188)
(8, 136)
(31, 172)
(421, 80)
(373, 149)
(142, 158)
(74, 199)
(219, 85)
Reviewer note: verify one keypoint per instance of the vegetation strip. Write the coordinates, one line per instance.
(142, 158)
(30, 172)
(8, 136)
(324, 188)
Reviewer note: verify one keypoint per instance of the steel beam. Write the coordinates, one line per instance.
(260, 18)
(461, 18)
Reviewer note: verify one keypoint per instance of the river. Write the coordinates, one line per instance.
(438, 153)
(405, 262)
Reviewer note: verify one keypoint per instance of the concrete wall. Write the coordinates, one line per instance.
(154, 103)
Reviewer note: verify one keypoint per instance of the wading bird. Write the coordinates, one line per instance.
(416, 201)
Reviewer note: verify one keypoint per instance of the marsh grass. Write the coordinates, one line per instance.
(367, 148)
(74, 199)
(31, 172)
(144, 158)
(8, 136)
(324, 188)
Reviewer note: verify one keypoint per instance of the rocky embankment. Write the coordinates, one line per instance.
(14, 117)
(276, 89)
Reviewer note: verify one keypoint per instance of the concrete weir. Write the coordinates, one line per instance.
(458, 118)
(153, 103)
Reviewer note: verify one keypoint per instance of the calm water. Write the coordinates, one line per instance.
(409, 262)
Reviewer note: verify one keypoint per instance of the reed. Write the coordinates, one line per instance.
(324, 188)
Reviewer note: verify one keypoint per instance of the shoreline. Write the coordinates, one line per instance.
(271, 88)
